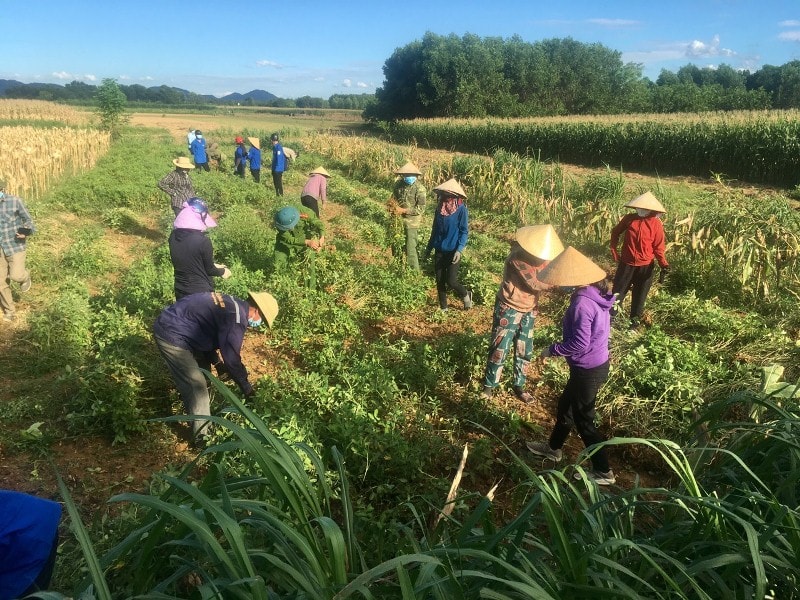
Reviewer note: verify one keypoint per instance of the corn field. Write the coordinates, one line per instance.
(754, 146)
(41, 110)
(35, 157)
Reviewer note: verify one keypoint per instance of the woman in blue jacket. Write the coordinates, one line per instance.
(449, 238)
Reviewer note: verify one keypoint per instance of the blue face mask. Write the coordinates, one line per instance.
(409, 179)
(255, 322)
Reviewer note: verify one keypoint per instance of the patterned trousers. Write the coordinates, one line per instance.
(509, 327)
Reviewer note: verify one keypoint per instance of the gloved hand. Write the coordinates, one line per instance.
(663, 274)
(222, 371)
(614, 254)
(456, 257)
(546, 353)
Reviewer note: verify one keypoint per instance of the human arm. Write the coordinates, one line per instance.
(616, 232)
(25, 226)
(659, 244)
(230, 347)
(578, 336)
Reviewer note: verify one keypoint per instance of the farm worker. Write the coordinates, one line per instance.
(586, 326)
(199, 151)
(298, 231)
(188, 334)
(191, 251)
(16, 226)
(408, 201)
(278, 164)
(449, 238)
(315, 191)
(642, 247)
(215, 156)
(177, 184)
(254, 156)
(190, 137)
(516, 306)
(239, 157)
(28, 543)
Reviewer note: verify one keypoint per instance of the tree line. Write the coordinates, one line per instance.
(470, 76)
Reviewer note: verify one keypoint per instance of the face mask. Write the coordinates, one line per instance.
(642, 212)
(255, 322)
(409, 179)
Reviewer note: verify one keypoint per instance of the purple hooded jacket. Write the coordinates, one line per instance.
(586, 327)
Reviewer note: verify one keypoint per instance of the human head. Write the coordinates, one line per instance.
(450, 188)
(646, 201)
(194, 215)
(409, 169)
(198, 133)
(320, 171)
(540, 241)
(183, 163)
(239, 139)
(274, 138)
(571, 269)
(263, 306)
(287, 218)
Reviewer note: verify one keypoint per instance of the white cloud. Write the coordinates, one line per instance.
(789, 36)
(90, 77)
(268, 63)
(318, 79)
(361, 84)
(347, 83)
(698, 48)
(124, 77)
(61, 75)
(146, 78)
(613, 22)
(790, 23)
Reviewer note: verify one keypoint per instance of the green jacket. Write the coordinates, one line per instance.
(413, 198)
(292, 243)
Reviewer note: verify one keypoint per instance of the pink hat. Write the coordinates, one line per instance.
(194, 215)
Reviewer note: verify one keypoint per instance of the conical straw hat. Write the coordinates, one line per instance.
(320, 171)
(540, 240)
(255, 142)
(648, 202)
(452, 186)
(267, 304)
(408, 169)
(571, 268)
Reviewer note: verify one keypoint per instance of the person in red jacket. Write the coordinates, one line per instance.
(642, 247)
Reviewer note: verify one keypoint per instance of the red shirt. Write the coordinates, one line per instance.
(644, 240)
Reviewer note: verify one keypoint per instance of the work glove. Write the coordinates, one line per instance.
(663, 274)
(456, 257)
(614, 254)
(226, 271)
(222, 371)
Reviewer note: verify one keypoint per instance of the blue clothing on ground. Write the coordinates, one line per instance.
(449, 234)
(28, 527)
(278, 159)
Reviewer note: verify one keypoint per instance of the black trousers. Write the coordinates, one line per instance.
(277, 180)
(311, 203)
(636, 279)
(446, 273)
(576, 407)
(256, 173)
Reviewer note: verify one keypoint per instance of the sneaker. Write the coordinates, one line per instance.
(544, 450)
(468, 300)
(598, 477)
(25, 285)
(9, 317)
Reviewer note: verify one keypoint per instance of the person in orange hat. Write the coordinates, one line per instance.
(239, 157)
(586, 327)
(642, 247)
(516, 306)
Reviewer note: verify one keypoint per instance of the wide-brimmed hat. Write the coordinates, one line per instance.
(183, 163)
(320, 171)
(266, 304)
(648, 202)
(286, 218)
(194, 215)
(571, 268)
(451, 186)
(255, 142)
(409, 169)
(541, 241)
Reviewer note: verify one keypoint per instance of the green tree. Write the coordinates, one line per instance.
(111, 105)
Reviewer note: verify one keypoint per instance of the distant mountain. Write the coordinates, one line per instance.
(254, 95)
(8, 83)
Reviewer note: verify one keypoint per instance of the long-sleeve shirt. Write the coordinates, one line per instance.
(521, 286)
(254, 156)
(316, 187)
(450, 233)
(278, 159)
(193, 261)
(13, 216)
(240, 156)
(644, 240)
(199, 151)
(411, 197)
(586, 327)
(206, 322)
(178, 186)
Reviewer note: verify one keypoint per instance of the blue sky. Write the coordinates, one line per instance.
(295, 48)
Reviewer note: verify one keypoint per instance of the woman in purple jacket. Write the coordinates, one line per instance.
(586, 326)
